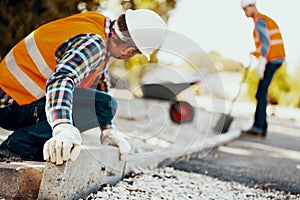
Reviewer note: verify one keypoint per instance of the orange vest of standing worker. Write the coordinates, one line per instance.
(276, 50)
(26, 68)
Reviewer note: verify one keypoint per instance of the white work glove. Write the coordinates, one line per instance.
(64, 145)
(115, 138)
(262, 61)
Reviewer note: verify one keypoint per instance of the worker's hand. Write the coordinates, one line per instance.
(115, 138)
(64, 145)
(262, 61)
(256, 54)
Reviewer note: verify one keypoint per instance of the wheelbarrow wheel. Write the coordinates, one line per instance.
(181, 112)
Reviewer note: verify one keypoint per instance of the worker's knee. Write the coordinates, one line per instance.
(105, 104)
(114, 104)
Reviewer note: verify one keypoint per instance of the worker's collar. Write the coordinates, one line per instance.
(108, 24)
(256, 15)
(107, 27)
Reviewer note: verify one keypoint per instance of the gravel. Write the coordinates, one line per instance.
(168, 183)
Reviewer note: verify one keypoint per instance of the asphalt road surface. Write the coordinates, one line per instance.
(271, 163)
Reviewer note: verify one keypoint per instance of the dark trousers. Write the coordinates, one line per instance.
(260, 117)
(30, 127)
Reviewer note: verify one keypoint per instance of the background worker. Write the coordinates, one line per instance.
(270, 53)
(46, 82)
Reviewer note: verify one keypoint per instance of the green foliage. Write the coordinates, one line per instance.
(279, 90)
(19, 18)
(280, 86)
(162, 7)
(252, 82)
(293, 97)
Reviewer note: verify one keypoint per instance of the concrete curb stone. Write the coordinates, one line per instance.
(95, 166)
(20, 180)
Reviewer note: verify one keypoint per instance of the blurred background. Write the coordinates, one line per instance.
(219, 27)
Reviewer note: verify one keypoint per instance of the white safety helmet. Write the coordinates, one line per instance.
(147, 30)
(245, 3)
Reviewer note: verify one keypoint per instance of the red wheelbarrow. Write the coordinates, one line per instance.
(180, 111)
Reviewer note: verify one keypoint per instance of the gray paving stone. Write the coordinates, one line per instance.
(20, 180)
(95, 166)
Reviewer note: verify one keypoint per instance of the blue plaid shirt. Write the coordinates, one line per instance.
(76, 58)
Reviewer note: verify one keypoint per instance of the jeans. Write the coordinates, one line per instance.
(260, 117)
(30, 127)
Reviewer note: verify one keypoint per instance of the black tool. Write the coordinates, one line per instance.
(223, 124)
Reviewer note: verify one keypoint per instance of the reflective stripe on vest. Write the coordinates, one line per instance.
(36, 56)
(276, 48)
(24, 80)
(26, 68)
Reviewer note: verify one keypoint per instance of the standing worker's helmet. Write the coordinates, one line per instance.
(147, 30)
(245, 3)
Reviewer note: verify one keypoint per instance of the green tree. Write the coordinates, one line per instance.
(293, 97)
(19, 18)
(279, 88)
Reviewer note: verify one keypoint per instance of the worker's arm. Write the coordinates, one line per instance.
(261, 29)
(76, 58)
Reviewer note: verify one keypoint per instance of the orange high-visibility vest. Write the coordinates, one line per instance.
(26, 68)
(276, 49)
